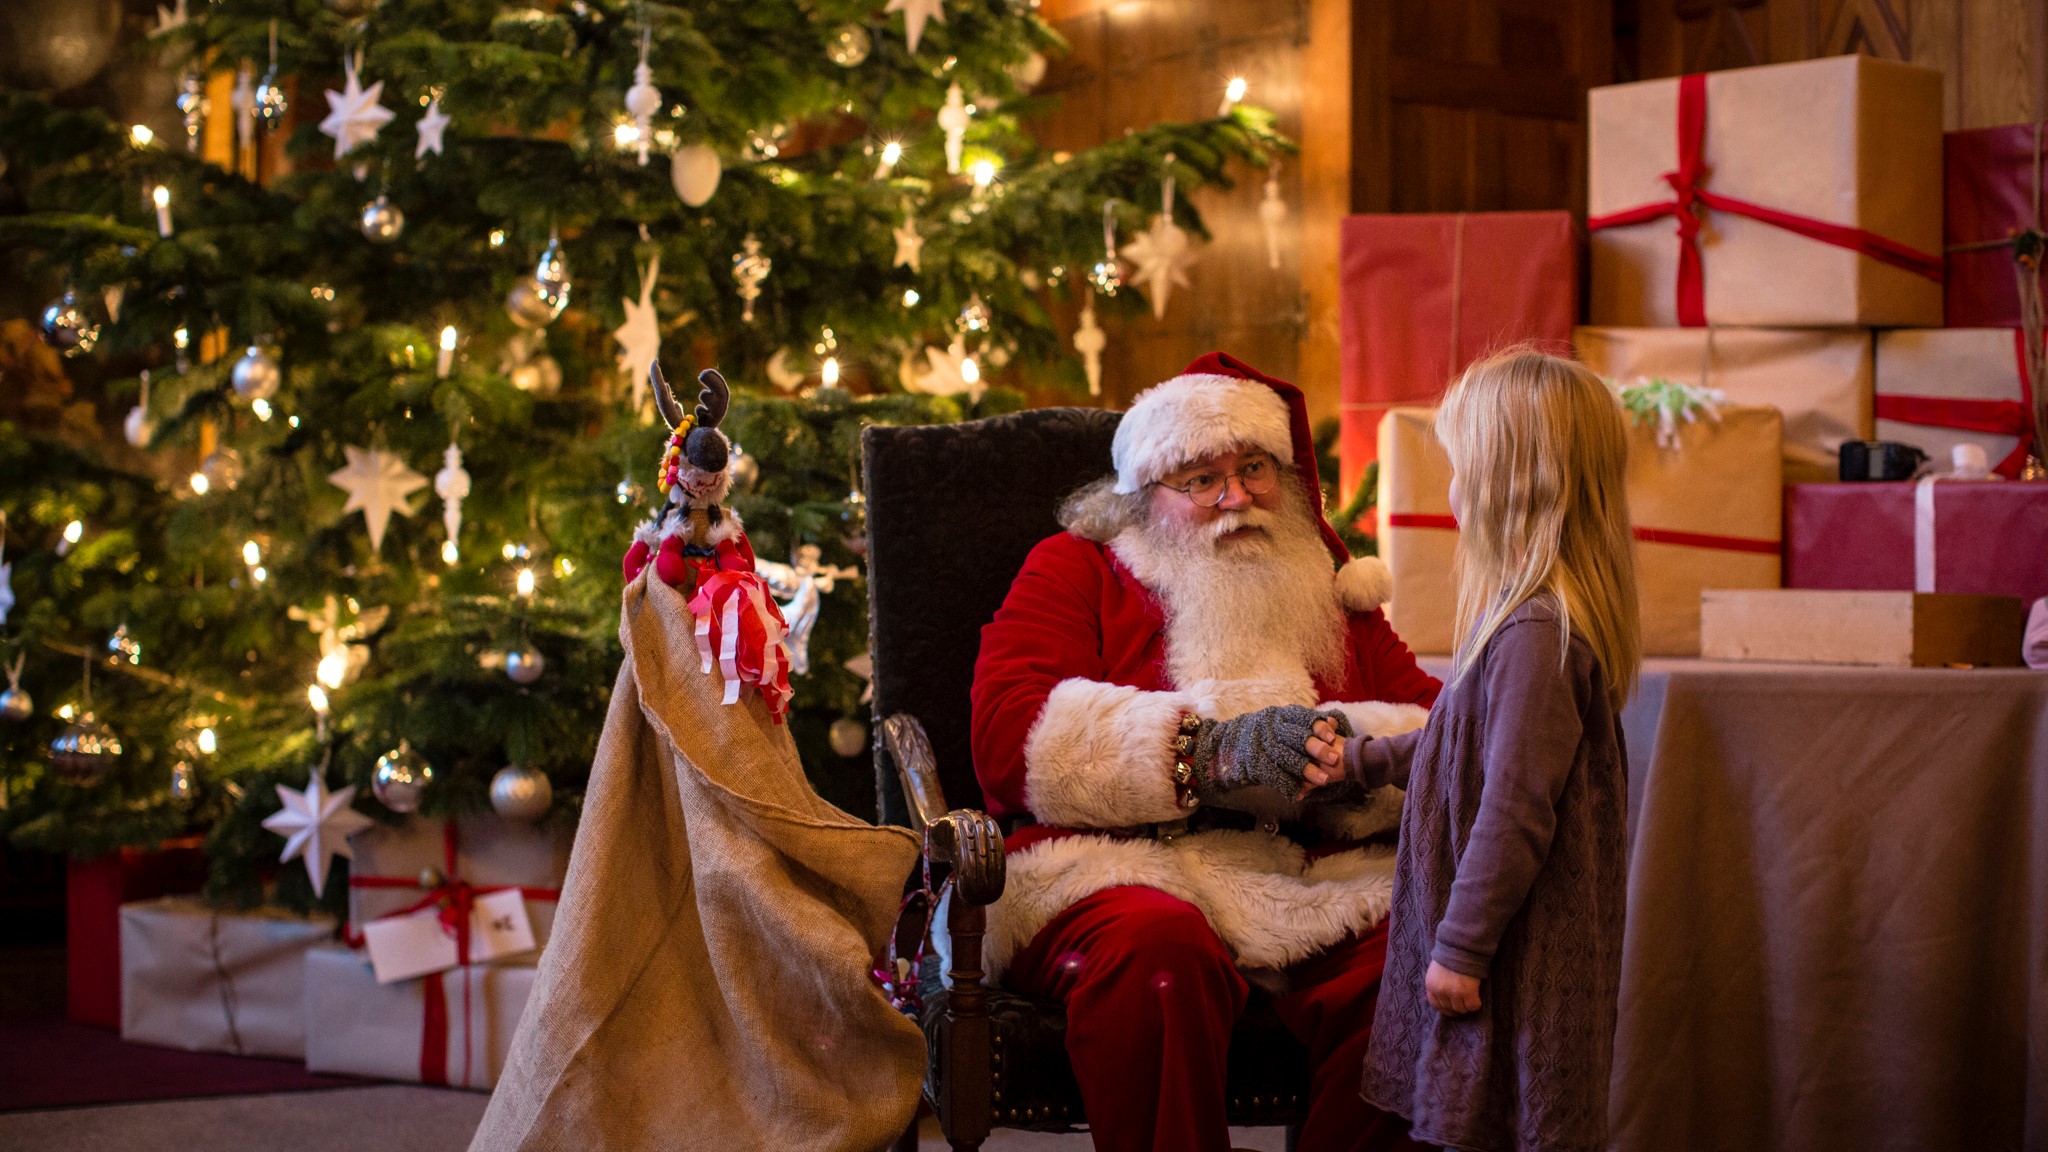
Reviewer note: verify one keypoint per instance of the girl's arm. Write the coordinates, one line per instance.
(1533, 728)
(1377, 761)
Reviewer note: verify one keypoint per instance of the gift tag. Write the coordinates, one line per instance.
(407, 946)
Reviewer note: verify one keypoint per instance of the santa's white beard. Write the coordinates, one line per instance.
(1262, 607)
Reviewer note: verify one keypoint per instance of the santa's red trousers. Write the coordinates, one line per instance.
(1151, 994)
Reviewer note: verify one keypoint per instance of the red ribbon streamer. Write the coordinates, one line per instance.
(1998, 417)
(1646, 535)
(456, 898)
(1691, 202)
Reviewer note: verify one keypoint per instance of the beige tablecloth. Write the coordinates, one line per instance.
(1838, 911)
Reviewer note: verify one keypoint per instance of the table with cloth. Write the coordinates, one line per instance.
(1838, 909)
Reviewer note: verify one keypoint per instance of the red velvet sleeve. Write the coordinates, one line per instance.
(1049, 629)
(1390, 668)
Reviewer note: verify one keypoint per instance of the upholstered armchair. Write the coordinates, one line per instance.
(952, 511)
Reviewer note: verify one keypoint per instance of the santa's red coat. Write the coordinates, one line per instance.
(1073, 716)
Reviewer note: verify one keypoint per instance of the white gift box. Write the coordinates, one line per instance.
(210, 981)
(490, 852)
(452, 1028)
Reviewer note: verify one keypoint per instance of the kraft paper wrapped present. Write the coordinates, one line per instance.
(1819, 378)
(484, 853)
(1790, 195)
(1991, 193)
(204, 980)
(1983, 537)
(451, 1028)
(1939, 387)
(1426, 294)
(1706, 514)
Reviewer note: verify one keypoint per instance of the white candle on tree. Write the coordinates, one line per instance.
(447, 360)
(162, 196)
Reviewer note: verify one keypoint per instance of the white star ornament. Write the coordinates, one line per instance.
(377, 483)
(316, 825)
(353, 115)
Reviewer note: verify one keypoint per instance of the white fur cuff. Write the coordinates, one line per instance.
(1101, 756)
(1365, 583)
(1378, 717)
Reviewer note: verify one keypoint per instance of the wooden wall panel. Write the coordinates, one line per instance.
(1990, 51)
(1139, 62)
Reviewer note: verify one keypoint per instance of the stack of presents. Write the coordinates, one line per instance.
(425, 982)
(1847, 298)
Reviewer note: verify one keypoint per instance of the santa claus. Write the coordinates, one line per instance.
(1142, 704)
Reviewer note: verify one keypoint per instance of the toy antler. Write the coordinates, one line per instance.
(671, 411)
(713, 400)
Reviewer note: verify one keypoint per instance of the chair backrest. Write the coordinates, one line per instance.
(952, 511)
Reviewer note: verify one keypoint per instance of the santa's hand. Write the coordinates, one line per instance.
(1270, 747)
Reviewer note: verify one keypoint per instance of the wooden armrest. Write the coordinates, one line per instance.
(970, 841)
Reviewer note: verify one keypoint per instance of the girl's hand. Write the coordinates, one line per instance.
(1451, 993)
(1325, 749)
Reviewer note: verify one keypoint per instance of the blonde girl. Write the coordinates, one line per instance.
(1496, 1015)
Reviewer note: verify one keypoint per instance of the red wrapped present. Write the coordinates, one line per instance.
(1801, 195)
(94, 893)
(1939, 387)
(1425, 295)
(1983, 537)
(1991, 183)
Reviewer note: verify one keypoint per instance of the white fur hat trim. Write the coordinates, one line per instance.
(1190, 417)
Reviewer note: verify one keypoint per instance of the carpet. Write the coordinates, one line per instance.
(53, 1063)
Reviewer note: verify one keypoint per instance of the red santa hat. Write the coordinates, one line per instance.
(1220, 404)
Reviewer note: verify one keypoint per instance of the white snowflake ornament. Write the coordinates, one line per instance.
(353, 114)
(378, 483)
(316, 825)
(915, 13)
(1162, 252)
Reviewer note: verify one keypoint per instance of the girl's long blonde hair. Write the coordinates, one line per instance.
(1540, 450)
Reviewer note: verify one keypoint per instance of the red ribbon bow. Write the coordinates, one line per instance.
(1691, 201)
(456, 898)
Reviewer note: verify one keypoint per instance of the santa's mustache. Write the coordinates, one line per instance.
(1228, 522)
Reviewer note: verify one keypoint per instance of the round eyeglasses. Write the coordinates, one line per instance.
(1257, 477)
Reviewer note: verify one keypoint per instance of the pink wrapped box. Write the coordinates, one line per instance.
(1984, 537)
(1788, 196)
(210, 981)
(1939, 387)
(486, 852)
(452, 1028)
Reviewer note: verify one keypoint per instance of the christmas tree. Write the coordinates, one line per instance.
(390, 403)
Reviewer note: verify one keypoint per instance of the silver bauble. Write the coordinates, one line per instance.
(270, 101)
(524, 663)
(848, 736)
(67, 328)
(400, 777)
(746, 472)
(85, 751)
(526, 306)
(222, 469)
(256, 375)
(541, 376)
(521, 793)
(849, 46)
(15, 705)
(382, 221)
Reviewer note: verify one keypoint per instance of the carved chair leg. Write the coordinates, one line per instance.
(965, 1105)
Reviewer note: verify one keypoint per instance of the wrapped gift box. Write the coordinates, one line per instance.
(1819, 378)
(1424, 295)
(196, 978)
(93, 894)
(1706, 514)
(1878, 629)
(488, 852)
(1939, 387)
(1984, 537)
(451, 1028)
(1797, 173)
(1989, 183)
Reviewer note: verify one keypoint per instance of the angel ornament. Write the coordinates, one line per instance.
(802, 586)
(697, 545)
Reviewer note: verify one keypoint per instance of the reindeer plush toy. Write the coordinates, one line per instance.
(698, 547)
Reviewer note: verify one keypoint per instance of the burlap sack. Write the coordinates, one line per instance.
(707, 985)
